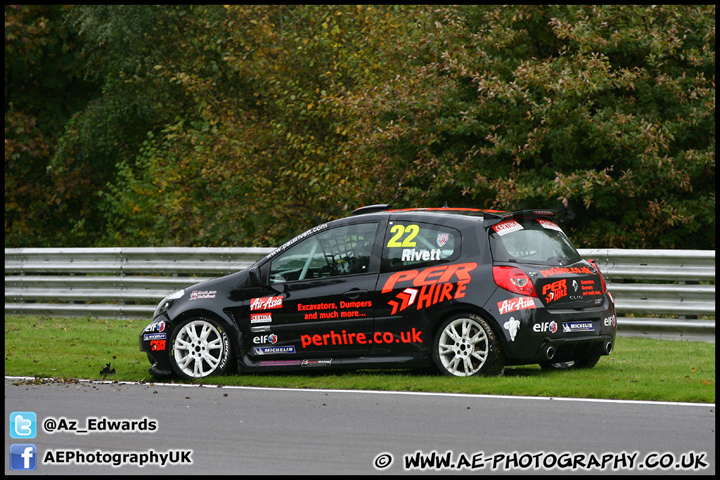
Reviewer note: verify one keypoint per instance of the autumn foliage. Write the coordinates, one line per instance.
(245, 125)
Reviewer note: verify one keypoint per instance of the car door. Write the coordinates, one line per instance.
(321, 296)
(419, 277)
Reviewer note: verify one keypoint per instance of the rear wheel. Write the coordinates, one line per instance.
(200, 348)
(465, 346)
(588, 362)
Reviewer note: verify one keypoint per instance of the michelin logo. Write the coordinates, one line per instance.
(273, 350)
(512, 327)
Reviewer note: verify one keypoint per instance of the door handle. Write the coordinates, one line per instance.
(355, 293)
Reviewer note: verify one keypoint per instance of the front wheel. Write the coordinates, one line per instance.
(465, 346)
(200, 348)
(582, 363)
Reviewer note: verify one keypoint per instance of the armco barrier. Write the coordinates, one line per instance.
(665, 283)
(678, 286)
(120, 283)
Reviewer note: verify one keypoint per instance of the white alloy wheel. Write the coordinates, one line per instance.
(466, 346)
(200, 348)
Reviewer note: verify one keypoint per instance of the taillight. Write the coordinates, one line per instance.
(602, 279)
(513, 280)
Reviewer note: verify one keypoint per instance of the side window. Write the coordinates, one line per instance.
(338, 251)
(415, 244)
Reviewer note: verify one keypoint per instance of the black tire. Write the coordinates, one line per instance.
(580, 363)
(199, 348)
(466, 346)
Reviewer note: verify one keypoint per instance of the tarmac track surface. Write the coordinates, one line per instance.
(245, 430)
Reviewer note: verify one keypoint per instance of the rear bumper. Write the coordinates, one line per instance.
(565, 349)
(534, 334)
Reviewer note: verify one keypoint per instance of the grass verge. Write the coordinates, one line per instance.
(638, 369)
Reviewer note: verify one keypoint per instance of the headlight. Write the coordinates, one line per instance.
(167, 302)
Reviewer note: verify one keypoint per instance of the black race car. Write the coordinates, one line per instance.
(467, 290)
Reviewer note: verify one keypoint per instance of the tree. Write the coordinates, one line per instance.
(263, 153)
(243, 125)
(43, 87)
(606, 109)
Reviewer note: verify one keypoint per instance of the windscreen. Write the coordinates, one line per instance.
(531, 240)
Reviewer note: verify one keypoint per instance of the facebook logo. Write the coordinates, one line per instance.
(23, 456)
(23, 425)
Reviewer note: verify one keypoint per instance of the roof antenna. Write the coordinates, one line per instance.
(446, 205)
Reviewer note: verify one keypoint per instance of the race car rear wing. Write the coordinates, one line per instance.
(559, 216)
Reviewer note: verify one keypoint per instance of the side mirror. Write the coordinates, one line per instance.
(254, 276)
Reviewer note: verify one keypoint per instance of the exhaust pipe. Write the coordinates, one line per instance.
(608, 348)
(550, 352)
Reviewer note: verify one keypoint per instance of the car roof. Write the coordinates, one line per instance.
(384, 207)
(491, 216)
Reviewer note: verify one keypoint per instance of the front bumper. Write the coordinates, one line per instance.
(154, 341)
